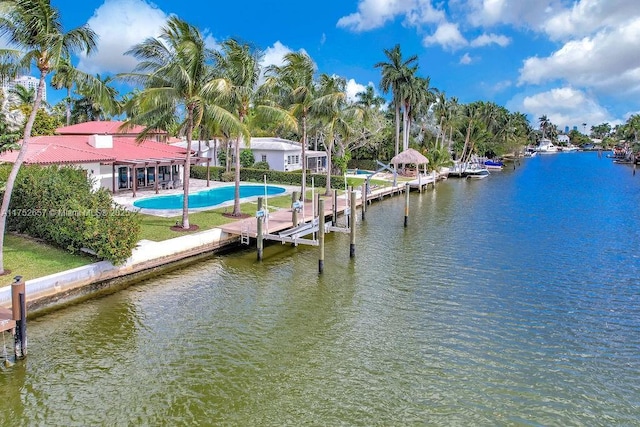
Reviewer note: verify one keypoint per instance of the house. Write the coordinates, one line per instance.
(113, 160)
(284, 155)
(563, 139)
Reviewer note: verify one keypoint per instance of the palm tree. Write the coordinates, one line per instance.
(544, 124)
(294, 88)
(239, 70)
(395, 74)
(97, 99)
(35, 34)
(178, 82)
(368, 99)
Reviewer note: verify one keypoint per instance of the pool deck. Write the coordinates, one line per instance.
(126, 198)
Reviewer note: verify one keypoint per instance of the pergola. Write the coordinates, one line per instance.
(134, 164)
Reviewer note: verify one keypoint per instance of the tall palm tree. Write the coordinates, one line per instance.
(544, 124)
(293, 86)
(238, 68)
(36, 37)
(395, 74)
(178, 82)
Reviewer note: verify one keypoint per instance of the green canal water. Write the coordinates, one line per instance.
(512, 300)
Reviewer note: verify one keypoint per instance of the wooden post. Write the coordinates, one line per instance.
(19, 314)
(363, 200)
(352, 230)
(406, 204)
(259, 222)
(321, 235)
(295, 196)
(334, 217)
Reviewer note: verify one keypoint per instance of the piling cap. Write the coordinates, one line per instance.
(17, 278)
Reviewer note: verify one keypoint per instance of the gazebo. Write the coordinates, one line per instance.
(411, 156)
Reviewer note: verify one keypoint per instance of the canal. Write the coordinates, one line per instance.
(513, 300)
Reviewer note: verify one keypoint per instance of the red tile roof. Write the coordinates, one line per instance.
(65, 149)
(101, 128)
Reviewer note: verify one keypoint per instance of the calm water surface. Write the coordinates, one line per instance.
(508, 301)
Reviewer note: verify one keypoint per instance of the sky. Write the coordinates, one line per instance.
(575, 61)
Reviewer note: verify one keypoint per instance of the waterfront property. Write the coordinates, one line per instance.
(285, 155)
(112, 159)
(419, 328)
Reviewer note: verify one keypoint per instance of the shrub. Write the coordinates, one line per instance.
(246, 158)
(59, 206)
(261, 165)
(228, 176)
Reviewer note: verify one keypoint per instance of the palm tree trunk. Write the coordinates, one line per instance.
(11, 180)
(187, 172)
(397, 128)
(304, 158)
(329, 150)
(68, 106)
(236, 194)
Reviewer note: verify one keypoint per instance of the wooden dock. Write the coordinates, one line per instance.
(282, 219)
(6, 320)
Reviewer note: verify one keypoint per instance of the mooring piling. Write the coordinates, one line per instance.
(259, 232)
(321, 235)
(334, 215)
(19, 313)
(363, 199)
(352, 226)
(407, 188)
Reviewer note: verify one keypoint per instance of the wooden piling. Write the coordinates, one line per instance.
(363, 200)
(19, 314)
(294, 212)
(259, 232)
(321, 235)
(407, 188)
(334, 216)
(352, 226)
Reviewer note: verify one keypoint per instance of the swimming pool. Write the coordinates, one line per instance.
(208, 198)
(359, 172)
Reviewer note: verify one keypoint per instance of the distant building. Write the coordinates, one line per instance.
(566, 129)
(563, 138)
(25, 81)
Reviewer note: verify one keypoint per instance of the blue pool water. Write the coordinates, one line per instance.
(203, 199)
(360, 172)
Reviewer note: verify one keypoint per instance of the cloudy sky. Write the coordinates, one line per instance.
(576, 61)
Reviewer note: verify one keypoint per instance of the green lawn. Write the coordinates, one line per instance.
(30, 259)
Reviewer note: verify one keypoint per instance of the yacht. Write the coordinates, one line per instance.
(546, 146)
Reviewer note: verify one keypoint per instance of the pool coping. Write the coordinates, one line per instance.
(195, 186)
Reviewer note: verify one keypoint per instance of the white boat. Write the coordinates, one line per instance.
(478, 174)
(546, 147)
(530, 152)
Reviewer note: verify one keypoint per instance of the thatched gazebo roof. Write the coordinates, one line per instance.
(410, 156)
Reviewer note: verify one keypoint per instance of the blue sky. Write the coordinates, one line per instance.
(574, 61)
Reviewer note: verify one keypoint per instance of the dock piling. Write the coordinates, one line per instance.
(334, 217)
(295, 196)
(321, 235)
(363, 199)
(407, 188)
(19, 314)
(352, 225)
(259, 231)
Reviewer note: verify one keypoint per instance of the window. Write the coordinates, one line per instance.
(263, 158)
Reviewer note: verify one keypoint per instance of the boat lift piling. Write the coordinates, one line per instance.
(352, 225)
(406, 205)
(260, 217)
(364, 199)
(296, 207)
(321, 236)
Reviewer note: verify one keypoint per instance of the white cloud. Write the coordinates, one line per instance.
(488, 39)
(519, 13)
(448, 36)
(588, 16)
(605, 62)
(565, 106)
(353, 88)
(373, 14)
(120, 24)
(274, 55)
(466, 59)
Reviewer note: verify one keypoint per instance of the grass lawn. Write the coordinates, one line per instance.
(30, 259)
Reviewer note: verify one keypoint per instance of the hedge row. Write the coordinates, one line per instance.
(59, 206)
(273, 177)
